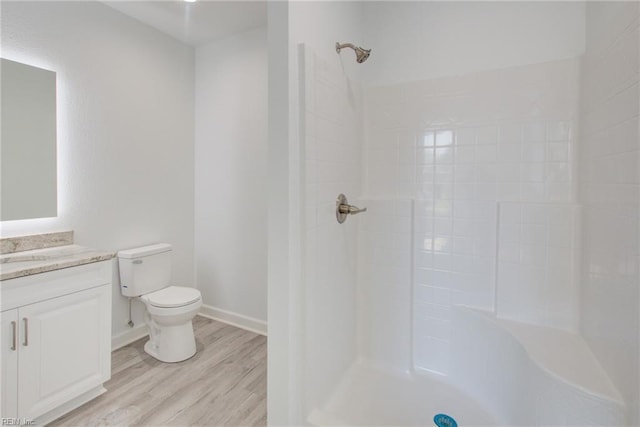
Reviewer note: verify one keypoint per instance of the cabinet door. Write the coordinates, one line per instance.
(64, 349)
(9, 362)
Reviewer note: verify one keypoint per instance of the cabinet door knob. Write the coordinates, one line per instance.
(14, 339)
(25, 321)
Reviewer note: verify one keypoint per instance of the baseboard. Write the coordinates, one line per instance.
(127, 337)
(229, 317)
(234, 319)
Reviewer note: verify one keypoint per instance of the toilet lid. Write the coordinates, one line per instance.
(173, 296)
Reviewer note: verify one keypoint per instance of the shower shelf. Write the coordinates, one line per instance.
(532, 374)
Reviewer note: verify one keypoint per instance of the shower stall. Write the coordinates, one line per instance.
(493, 277)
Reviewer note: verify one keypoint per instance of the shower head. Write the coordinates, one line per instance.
(361, 54)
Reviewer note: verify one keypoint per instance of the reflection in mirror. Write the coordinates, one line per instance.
(28, 174)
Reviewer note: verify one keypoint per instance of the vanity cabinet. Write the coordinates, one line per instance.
(9, 362)
(56, 350)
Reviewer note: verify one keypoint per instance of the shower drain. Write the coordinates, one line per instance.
(444, 420)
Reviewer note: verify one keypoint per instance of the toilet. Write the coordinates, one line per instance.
(145, 273)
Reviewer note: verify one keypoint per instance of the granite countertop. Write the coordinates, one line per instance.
(26, 263)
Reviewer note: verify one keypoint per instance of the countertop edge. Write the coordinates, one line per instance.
(60, 264)
(30, 242)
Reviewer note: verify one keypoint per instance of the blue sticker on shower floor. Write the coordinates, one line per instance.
(444, 420)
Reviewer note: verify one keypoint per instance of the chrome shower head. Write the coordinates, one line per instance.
(361, 54)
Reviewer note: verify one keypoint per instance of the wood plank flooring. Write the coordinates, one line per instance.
(224, 384)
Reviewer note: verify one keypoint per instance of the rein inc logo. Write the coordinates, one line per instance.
(17, 422)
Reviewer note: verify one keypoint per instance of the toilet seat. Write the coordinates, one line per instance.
(172, 296)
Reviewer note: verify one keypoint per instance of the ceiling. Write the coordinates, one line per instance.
(199, 22)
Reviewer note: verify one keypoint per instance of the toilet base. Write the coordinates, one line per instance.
(170, 343)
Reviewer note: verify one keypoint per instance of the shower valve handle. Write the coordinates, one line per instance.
(343, 208)
(350, 209)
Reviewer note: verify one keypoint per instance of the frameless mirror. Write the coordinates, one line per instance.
(28, 174)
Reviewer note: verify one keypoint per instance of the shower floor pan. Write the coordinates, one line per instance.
(502, 372)
(372, 396)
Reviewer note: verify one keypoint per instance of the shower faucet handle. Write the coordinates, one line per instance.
(351, 210)
(343, 208)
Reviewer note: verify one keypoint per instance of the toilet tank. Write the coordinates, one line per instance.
(144, 270)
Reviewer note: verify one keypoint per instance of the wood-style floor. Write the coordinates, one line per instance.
(224, 384)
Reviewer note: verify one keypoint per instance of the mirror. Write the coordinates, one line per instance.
(28, 164)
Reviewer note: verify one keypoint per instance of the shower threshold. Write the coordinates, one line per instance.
(372, 396)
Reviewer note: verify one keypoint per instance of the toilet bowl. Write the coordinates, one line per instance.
(169, 310)
(168, 315)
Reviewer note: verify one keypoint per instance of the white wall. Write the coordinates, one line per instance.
(125, 130)
(320, 24)
(609, 183)
(458, 146)
(231, 175)
(538, 263)
(420, 40)
(330, 164)
(331, 150)
(385, 300)
(282, 379)
(472, 103)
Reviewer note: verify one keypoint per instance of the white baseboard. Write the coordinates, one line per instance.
(127, 337)
(231, 318)
(234, 319)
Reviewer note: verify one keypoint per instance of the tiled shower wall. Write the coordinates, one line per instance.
(538, 263)
(609, 192)
(332, 149)
(458, 146)
(385, 262)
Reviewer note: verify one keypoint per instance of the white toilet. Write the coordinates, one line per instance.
(146, 273)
